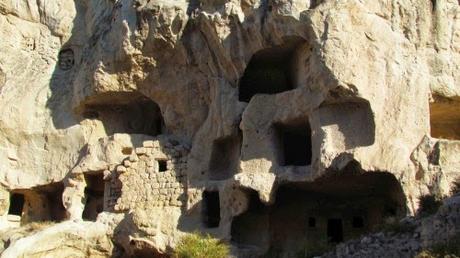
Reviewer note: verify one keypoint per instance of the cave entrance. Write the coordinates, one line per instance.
(445, 118)
(41, 203)
(294, 144)
(16, 204)
(330, 210)
(130, 113)
(211, 209)
(94, 193)
(225, 157)
(334, 230)
(269, 71)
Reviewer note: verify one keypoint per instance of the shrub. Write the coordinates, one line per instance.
(429, 205)
(448, 249)
(37, 226)
(424, 254)
(456, 187)
(197, 245)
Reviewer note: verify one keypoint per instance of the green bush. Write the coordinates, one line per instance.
(429, 205)
(197, 245)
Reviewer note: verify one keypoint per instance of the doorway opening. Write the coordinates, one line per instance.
(16, 204)
(334, 230)
(211, 209)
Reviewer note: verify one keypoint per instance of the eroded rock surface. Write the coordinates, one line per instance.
(159, 118)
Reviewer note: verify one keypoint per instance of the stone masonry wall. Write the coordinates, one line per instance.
(139, 183)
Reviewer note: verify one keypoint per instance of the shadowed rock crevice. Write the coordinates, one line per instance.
(94, 193)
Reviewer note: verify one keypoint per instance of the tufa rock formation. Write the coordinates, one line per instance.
(268, 124)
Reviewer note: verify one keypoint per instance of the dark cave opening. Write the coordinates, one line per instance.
(16, 204)
(328, 211)
(358, 222)
(40, 203)
(211, 209)
(162, 165)
(94, 193)
(311, 222)
(129, 113)
(294, 144)
(269, 71)
(334, 230)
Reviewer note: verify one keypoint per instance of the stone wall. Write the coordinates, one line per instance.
(149, 176)
(143, 184)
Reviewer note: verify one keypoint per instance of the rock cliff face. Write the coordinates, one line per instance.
(269, 124)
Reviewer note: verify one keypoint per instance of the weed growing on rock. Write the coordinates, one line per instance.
(429, 205)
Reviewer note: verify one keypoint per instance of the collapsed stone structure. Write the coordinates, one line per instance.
(268, 124)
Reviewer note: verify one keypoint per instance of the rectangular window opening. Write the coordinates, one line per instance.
(312, 222)
(294, 143)
(16, 204)
(162, 165)
(358, 222)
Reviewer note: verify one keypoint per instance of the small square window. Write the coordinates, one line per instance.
(162, 165)
(358, 222)
(311, 222)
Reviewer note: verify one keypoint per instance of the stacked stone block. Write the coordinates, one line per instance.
(139, 183)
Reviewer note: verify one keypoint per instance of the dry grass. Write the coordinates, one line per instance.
(37, 226)
(449, 249)
(197, 245)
